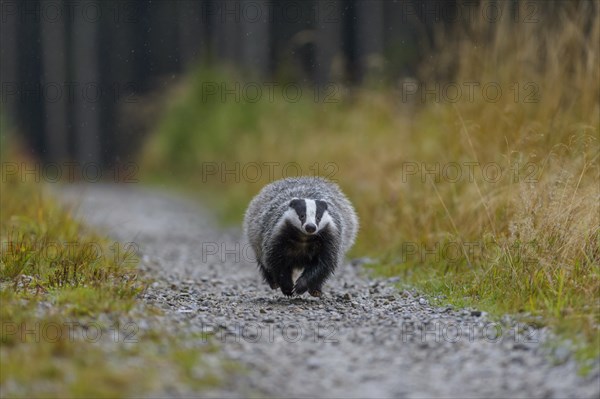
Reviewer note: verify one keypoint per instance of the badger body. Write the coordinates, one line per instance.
(302, 226)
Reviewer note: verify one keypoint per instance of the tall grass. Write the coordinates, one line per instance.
(491, 200)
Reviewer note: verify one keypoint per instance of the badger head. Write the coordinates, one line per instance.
(308, 215)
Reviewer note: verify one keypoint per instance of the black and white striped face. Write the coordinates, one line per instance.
(308, 215)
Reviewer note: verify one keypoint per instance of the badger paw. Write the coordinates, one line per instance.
(300, 287)
(315, 292)
(287, 291)
(273, 284)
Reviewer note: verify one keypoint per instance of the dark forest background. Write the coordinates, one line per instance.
(70, 68)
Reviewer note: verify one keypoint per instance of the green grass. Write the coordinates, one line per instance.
(526, 243)
(62, 260)
(64, 291)
(48, 356)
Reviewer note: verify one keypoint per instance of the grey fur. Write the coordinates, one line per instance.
(268, 207)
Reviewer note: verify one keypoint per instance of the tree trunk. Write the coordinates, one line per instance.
(192, 41)
(369, 37)
(9, 56)
(329, 41)
(53, 36)
(226, 20)
(255, 44)
(87, 87)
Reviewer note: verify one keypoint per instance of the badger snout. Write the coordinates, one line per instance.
(310, 228)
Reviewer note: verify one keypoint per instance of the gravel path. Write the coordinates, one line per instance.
(363, 338)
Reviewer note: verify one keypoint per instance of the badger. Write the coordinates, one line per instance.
(300, 229)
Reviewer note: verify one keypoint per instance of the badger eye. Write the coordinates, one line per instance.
(302, 216)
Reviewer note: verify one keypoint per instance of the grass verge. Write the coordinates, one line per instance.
(68, 314)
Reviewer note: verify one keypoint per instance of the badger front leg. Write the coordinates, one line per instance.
(314, 276)
(285, 281)
(268, 277)
(280, 271)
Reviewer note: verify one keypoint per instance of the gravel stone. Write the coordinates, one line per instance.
(362, 338)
